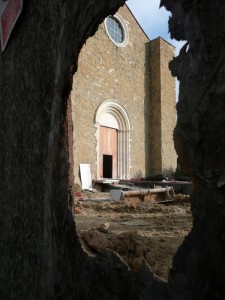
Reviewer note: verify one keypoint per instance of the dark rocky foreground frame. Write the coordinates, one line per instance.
(40, 254)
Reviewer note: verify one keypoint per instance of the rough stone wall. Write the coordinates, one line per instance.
(168, 108)
(162, 108)
(109, 72)
(199, 138)
(40, 254)
(155, 120)
(69, 136)
(39, 250)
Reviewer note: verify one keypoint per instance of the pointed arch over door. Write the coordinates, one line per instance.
(113, 127)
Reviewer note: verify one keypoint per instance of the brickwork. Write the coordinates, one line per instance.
(109, 72)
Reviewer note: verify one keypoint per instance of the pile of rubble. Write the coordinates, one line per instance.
(140, 232)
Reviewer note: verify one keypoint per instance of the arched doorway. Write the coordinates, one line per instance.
(113, 129)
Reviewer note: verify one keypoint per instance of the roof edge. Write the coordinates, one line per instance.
(159, 37)
(138, 23)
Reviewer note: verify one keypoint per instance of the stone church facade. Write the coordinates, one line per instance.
(123, 103)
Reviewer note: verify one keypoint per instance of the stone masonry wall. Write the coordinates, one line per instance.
(106, 71)
(168, 108)
(163, 108)
(155, 119)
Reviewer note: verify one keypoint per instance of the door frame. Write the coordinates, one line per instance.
(122, 117)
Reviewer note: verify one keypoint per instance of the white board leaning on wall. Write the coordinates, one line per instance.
(85, 175)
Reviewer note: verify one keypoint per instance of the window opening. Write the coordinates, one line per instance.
(115, 29)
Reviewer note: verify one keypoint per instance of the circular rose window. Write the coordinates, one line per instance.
(117, 30)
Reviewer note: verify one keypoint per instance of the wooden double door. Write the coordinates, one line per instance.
(108, 152)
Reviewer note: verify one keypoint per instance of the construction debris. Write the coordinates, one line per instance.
(104, 228)
(153, 195)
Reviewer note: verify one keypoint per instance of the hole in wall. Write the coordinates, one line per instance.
(136, 229)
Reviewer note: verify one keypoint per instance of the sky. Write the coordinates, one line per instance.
(153, 20)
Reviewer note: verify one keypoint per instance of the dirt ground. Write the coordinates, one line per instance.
(136, 230)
